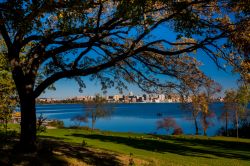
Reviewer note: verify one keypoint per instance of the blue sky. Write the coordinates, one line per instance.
(69, 88)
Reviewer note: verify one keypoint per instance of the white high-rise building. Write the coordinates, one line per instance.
(161, 97)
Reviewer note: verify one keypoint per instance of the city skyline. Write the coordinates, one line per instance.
(129, 98)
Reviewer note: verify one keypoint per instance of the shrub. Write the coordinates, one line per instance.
(40, 124)
(131, 161)
(169, 124)
(78, 120)
(56, 123)
(177, 131)
(243, 131)
(84, 143)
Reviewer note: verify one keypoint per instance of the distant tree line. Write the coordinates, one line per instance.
(61, 102)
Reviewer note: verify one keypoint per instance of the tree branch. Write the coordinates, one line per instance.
(4, 32)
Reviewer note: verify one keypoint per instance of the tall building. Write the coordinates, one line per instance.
(117, 97)
(161, 97)
(130, 93)
(146, 97)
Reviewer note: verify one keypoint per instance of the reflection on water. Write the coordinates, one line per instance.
(132, 117)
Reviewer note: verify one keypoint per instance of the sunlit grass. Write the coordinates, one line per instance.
(163, 150)
(150, 149)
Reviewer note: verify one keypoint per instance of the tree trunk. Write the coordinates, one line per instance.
(226, 123)
(204, 126)
(92, 122)
(6, 125)
(28, 122)
(205, 132)
(24, 86)
(196, 127)
(237, 124)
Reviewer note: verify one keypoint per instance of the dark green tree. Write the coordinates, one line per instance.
(8, 98)
(235, 104)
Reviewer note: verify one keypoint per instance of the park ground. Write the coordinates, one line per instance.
(85, 147)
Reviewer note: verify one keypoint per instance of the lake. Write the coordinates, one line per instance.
(137, 117)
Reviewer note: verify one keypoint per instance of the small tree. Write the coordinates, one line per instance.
(236, 101)
(189, 102)
(242, 99)
(199, 106)
(228, 107)
(98, 108)
(196, 98)
(206, 99)
(205, 112)
(195, 111)
(225, 116)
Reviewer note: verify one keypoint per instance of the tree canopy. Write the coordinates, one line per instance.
(64, 35)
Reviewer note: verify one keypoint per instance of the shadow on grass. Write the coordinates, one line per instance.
(53, 138)
(186, 147)
(88, 156)
(54, 152)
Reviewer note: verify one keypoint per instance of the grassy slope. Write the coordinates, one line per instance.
(179, 150)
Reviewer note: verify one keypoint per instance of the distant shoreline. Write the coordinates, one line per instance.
(123, 103)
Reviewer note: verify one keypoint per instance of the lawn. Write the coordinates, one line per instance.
(83, 147)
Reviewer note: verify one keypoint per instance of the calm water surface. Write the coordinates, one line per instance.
(138, 117)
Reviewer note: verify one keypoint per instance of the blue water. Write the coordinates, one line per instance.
(138, 117)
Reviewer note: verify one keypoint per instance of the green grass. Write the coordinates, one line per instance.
(155, 150)
(163, 150)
